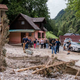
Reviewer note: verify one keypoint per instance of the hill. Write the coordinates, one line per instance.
(66, 21)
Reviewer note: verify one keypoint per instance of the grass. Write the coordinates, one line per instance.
(50, 35)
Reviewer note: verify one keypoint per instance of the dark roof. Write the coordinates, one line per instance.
(45, 29)
(29, 19)
(38, 19)
(69, 34)
(3, 6)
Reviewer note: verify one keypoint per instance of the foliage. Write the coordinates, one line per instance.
(4, 33)
(74, 5)
(50, 34)
(32, 8)
(67, 22)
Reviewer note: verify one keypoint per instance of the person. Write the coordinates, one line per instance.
(69, 46)
(23, 42)
(50, 40)
(64, 44)
(30, 42)
(37, 44)
(26, 42)
(34, 43)
(57, 45)
(47, 43)
(53, 46)
(42, 43)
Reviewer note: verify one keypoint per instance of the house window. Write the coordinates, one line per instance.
(30, 34)
(39, 36)
(22, 22)
(42, 35)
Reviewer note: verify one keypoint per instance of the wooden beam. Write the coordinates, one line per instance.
(33, 67)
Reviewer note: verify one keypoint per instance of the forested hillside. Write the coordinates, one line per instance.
(66, 21)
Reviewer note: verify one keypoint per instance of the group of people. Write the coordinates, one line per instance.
(54, 45)
(51, 43)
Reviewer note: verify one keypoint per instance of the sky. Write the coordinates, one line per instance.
(55, 6)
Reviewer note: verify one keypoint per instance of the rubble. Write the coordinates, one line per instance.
(16, 61)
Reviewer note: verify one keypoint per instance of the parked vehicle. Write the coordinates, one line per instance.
(74, 46)
(67, 39)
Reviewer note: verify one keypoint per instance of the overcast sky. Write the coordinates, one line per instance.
(55, 6)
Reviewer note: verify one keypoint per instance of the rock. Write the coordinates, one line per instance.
(13, 72)
(28, 52)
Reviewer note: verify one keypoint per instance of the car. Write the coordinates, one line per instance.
(74, 46)
(67, 39)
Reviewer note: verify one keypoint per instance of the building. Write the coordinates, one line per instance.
(3, 8)
(72, 36)
(25, 25)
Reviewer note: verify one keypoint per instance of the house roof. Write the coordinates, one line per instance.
(45, 29)
(69, 34)
(38, 19)
(29, 19)
(3, 6)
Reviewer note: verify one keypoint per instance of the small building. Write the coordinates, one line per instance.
(3, 8)
(24, 25)
(72, 36)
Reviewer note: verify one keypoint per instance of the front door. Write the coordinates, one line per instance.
(22, 35)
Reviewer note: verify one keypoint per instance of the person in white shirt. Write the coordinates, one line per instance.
(42, 43)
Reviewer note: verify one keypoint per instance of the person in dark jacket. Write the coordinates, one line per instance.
(26, 42)
(57, 45)
(53, 46)
(69, 47)
(23, 42)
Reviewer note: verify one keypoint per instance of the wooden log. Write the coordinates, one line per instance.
(77, 74)
(51, 61)
(33, 67)
(54, 65)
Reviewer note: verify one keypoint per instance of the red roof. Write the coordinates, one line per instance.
(3, 6)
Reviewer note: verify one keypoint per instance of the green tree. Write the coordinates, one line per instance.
(32, 8)
(74, 5)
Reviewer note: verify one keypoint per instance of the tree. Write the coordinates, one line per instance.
(74, 5)
(32, 8)
(4, 32)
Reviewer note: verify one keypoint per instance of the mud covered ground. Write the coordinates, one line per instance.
(17, 59)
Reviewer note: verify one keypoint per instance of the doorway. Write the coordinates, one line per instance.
(22, 35)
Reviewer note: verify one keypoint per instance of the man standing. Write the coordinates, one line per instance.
(69, 46)
(23, 41)
(26, 42)
(64, 44)
(57, 45)
(42, 43)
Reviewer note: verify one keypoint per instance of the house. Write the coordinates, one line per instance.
(3, 8)
(72, 36)
(25, 25)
